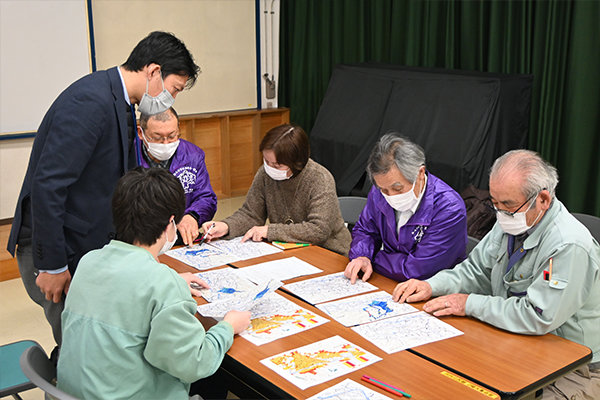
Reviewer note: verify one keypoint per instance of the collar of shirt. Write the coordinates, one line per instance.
(124, 87)
(402, 217)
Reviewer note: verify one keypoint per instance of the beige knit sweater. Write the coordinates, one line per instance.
(309, 199)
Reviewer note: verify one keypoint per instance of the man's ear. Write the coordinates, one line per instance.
(545, 199)
(151, 70)
(139, 132)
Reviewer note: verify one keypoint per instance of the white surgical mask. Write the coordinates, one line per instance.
(160, 151)
(274, 173)
(168, 244)
(402, 202)
(516, 224)
(153, 105)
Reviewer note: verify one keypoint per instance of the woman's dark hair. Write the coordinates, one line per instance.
(166, 50)
(143, 202)
(290, 145)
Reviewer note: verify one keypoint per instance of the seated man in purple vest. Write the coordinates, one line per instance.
(413, 225)
(159, 145)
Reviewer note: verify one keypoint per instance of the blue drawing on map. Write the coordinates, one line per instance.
(261, 293)
(195, 252)
(377, 309)
(227, 290)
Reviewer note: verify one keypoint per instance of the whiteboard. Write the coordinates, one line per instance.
(44, 47)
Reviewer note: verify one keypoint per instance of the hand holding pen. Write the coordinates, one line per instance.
(213, 230)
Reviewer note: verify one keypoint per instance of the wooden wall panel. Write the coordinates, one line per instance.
(230, 141)
(241, 153)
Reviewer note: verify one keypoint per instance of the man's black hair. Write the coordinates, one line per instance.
(166, 50)
(143, 202)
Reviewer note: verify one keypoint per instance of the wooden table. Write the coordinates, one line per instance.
(509, 364)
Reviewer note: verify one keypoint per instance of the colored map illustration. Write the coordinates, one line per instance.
(276, 317)
(224, 283)
(348, 390)
(365, 308)
(240, 301)
(327, 288)
(320, 361)
(221, 252)
(406, 331)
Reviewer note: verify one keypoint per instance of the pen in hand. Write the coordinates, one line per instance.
(210, 228)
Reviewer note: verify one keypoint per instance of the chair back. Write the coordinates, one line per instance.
(41, 371)
(471, 243)
(591, 222)
(351, 207)
(12, 379)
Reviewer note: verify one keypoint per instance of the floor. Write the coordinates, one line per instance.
(21, 318)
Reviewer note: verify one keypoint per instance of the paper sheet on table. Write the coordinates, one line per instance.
(276, 317)
(365, 308)
(224, 283)
(284, 269)
(221, 252)
(327, 287)
(406, 331)
(319, 362)
(243, 301)
(348, 390)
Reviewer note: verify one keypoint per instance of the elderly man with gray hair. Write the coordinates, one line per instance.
(537, 271)
(413, 224)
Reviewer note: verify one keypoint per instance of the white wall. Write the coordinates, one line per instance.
(219, 33)
(14, 156)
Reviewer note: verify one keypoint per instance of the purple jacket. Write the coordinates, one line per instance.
(434, 238)
(188, 166)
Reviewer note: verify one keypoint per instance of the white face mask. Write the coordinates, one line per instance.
(168, 244)
(403, 201)
(160, 151)
(274, 173)
(153, 105)
(516, 224)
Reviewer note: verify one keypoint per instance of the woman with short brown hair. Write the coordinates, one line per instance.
(295, 193)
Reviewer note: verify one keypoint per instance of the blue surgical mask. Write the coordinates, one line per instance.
(153, 105)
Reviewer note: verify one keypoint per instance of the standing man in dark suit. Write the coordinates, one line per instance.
(84, 144)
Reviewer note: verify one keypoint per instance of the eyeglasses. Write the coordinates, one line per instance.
(163, 139)
(488, 203)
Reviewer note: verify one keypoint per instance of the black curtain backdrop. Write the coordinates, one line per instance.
(556, 41)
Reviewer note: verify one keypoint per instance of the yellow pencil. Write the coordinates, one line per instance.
(550, 269)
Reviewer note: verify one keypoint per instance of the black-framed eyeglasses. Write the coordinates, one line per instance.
(488, 203)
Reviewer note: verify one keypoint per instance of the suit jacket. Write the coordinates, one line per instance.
(80, 151)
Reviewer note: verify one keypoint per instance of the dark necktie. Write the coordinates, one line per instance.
(131, 133)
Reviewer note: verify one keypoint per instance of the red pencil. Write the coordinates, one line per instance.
(387, 389)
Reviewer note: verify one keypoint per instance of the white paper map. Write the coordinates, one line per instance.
(221, 252)
(224, 283)
(284, 269)
(239, 301)
(348, 390)
(319, 362)
(327, 288)
(406, 331)
(276, 317)
(365, 308)
(202, 257)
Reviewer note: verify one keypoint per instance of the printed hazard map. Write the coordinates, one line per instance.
(277, 317)
(320, 361)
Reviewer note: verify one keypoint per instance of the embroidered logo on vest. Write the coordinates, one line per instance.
(187, 177)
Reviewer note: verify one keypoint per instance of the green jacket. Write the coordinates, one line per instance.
(129, 330)
(567, 304)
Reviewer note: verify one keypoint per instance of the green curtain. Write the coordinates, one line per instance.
(557, 41)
